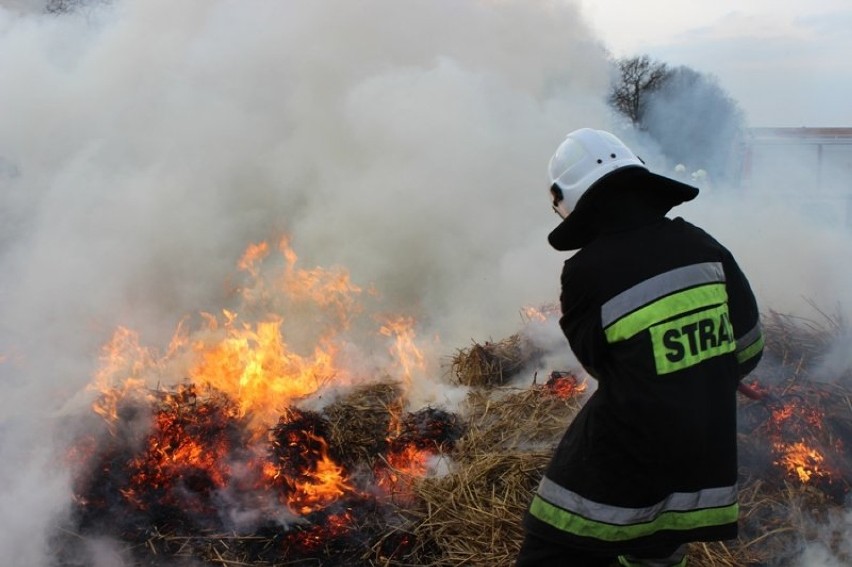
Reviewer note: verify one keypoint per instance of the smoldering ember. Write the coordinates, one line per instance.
(219, 451)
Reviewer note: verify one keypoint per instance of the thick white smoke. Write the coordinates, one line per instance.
(145, 143)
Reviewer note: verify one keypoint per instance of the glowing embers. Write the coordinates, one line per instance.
(565, 385)
(186, 463)
(416, 442)
(186, 455)
(301, 465)
(799, 459)
(165, 459)
(801, 436)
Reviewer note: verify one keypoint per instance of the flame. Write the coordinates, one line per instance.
(782, 413)
(530, 314)
(302, 465)
(255, 367)
(410, 460)
(401, 468)
(185, 449)
(413, 443)
(404, 349)
(320, 487)
(251, 258)
(248, 360)
(212, 397)
(123, 360)
(324, 287)
(800, 460)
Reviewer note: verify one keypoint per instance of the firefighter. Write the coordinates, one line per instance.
(660, 314)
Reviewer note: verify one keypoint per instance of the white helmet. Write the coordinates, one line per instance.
(584, 157)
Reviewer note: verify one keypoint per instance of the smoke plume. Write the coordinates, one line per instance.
(145, 143)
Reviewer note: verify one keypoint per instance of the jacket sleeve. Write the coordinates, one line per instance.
(580, 321)
(745, 317)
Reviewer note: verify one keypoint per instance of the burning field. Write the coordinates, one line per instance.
(229, 448)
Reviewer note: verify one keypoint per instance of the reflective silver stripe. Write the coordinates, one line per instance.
(676, 502)
(748, 339)
(659, 286)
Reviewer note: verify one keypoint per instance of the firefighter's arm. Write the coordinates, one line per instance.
(745, 317)
(580, 321)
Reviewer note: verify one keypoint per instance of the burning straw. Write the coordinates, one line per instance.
(391, 505)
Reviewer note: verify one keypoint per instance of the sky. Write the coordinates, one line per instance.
(786, 62)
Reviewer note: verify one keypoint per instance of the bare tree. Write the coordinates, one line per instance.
(66, 6)
(637, 78)
(60, 6)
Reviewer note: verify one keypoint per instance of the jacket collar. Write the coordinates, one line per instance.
(626, 198)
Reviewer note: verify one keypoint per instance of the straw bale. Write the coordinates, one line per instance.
(360, 422)
(493, 363)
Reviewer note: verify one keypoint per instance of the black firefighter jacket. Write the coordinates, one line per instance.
(661, 315)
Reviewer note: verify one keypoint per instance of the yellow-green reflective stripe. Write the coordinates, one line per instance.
(750, 350)
(661, 285)
(672, 520)
(665, 308)
(688, 340)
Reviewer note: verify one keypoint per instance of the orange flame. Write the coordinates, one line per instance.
(800, 460)
(242, 356)
(119, 379)
(251, 258)
(249, 361)
(320, 487)
(404, 466)
(410, 461)
(323, 287)
(533, 314)
(255, 367)
(404, 349)
(174, 454)
(530, 314)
